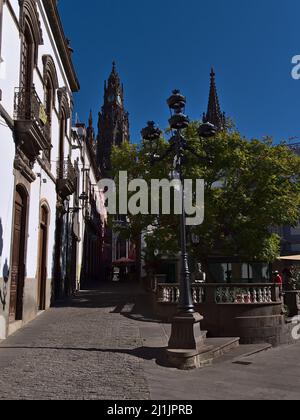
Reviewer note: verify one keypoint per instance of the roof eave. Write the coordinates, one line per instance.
(59, 35)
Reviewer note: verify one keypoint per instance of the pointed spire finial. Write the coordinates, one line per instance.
(90, 130)
(214, 114)
(114, 74)
(91, 119)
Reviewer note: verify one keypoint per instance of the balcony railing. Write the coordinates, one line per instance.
(233, 294)
(66, 178)
(31, 122)
(28, 106)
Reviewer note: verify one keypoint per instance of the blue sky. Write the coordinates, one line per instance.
(160, 45)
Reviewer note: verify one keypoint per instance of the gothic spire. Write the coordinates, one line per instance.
(114, 77)
(113, 123)
(90, 130)
(113, 88)
(91, 120)
(214, 114)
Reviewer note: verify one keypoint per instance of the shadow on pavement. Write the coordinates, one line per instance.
(145, 353)
(129, 300)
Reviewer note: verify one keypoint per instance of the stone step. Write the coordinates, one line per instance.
(222, 346)
(242, 352)
(213, 348)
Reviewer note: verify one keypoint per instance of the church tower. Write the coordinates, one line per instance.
(90, 133)
(113, 124)
(214, 114)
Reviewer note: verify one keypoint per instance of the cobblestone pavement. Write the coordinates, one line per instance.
(98, 346)
(84, 351)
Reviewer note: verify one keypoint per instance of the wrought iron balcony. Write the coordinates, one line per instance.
(66, 178)
(93, 217)
(32, 127)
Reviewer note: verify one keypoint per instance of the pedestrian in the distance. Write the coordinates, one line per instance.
(278, 279)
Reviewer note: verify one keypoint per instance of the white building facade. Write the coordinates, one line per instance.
(90, 216)
(38, 177)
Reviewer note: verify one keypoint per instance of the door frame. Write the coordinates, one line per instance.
(21, 189)
(42, 277)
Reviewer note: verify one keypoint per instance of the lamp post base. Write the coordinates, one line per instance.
(187, 349)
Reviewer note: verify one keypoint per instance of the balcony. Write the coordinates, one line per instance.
(66, 178)
(93, 217)
(32, 128)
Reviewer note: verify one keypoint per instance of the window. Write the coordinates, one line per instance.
(1, 11)
(31, 31)
(64, 116)
(50, 86)
(49, 98)
(27, 60)
(62, 135)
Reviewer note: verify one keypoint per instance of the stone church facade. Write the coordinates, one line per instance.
(113, 124)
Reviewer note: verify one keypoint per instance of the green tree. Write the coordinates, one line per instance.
(251, 189)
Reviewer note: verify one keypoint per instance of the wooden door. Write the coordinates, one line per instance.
(74, 265)
(43, 246)
(18, 259)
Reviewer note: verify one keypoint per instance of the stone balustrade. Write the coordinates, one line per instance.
(241, 294)
(170, 293)
(251, 311)
(231, 294)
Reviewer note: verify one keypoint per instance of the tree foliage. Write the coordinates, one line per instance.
(251, 190)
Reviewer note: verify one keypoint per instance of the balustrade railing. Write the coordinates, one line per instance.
(234, 294)
(28, 107)
(170, 293)
(66, 170)
(66, 177)
(245, 294)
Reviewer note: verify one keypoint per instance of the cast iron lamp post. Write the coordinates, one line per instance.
(187, 340)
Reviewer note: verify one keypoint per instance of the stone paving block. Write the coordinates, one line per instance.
(88, 348)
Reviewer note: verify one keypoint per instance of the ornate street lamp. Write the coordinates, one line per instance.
(151, 133)
(187, 341)
(207, 130)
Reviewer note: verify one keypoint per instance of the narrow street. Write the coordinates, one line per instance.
(83, 350)
(98, 346)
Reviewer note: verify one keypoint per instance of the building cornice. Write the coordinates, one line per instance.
(62, 45)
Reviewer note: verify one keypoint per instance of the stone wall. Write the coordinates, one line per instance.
(253, 323)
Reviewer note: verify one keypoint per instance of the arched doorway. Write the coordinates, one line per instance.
(18, 256)
(42, 259)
